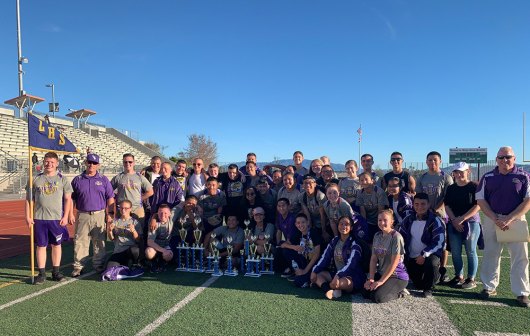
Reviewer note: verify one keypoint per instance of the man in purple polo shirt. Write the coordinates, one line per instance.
(167, 189)
(504, 197)
(93, 194)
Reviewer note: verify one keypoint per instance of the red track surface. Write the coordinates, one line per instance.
(14, 233)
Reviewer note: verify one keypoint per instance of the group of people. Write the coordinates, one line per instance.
(359, 233)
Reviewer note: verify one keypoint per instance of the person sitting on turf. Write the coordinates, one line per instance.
(424, 236)
(158, 250)
(398, 200)
(261, 229)
(370, 200)
(345, 254)
(302, 251)
(388, 277)
(126, 233)
(334, 208)
(220, 243)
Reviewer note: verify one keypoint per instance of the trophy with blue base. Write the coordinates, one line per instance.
(182, 248)
(267, 260)
(197, 252)
(230, 268)
(253, 261)
(213, 258)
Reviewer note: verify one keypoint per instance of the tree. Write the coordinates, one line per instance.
(199, 146)
(155, 146)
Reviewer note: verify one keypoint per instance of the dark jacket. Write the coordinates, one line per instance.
(433, 234)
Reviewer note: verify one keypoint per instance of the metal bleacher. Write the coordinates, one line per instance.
(110, 146)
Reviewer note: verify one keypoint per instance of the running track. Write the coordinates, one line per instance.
(14, 233)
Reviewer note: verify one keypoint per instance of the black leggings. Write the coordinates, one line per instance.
(388, 291)
(123, 258)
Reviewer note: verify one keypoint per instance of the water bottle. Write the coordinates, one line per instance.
(295, 265)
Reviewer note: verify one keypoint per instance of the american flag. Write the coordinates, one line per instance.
(360, 132)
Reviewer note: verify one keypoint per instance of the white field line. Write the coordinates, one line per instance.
(483, 333)
(401, 317)
(46, 290)
(479, 303)
(164, 317)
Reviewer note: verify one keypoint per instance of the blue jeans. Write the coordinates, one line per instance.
(456, 239)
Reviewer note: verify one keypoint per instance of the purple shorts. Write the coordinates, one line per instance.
(49, 231)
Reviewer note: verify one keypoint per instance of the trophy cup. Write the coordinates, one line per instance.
(253, 261)
(267, 261)
(216, 271)
(182, 246)
(211, 255)
(230, 270)
(247, 234)
(197, 251)
(242, 261)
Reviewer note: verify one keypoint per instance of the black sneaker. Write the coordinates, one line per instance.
(291, 277)
(39, 279)
(58, 277)
(427, 293)
(469, 284)
(455, 282)
(287, 273)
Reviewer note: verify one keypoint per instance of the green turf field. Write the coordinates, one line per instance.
(268, 305)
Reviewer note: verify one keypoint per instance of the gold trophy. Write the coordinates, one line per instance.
(197, 235)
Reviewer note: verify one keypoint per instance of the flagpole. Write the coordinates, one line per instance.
(30, 198)
(360, 132)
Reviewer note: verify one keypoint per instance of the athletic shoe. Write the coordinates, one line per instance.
(58, 277)
(523, 301)
(305, 285)
(487, 294)
(469, 284)
(455, 282)
(39, 279)
(404, 293)
(291, 277)
(427, 293)
(337, 293)
(444, 278)
(76, 272)
(287, 273)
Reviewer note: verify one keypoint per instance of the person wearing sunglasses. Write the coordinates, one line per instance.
(503, 195)
(93, 194)
(407, 182)
(134, 187)
(196, 181)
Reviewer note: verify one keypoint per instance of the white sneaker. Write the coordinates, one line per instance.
(337, 293)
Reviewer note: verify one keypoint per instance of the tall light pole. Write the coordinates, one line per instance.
(53, 107)
(21, 59)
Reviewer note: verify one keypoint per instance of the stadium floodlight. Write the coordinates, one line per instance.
(54, 107)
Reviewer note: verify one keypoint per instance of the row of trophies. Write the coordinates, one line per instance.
(191, 258)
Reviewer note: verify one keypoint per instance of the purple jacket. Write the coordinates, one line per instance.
(351, 252)
(404, 205)
(433, 234)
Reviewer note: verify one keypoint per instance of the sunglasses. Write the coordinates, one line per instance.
(91, 163)
(327, 171)
(197, 164)
(396, 159)
(505, 157)
(128, 161)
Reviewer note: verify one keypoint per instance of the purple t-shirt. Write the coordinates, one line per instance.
(91, 192)
(286, 226)
(504, 193)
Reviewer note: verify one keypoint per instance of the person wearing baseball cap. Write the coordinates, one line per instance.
(464, 225)
(93, 197)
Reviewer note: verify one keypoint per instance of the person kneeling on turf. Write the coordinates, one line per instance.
(388, 277)
(345, 253)
(424, 236)
(126, 233)
(222, 232)
(159, 251)
(302, 251)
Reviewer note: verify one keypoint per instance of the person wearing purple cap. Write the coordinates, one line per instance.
(504, 197)
(464, 225)
(93, 197)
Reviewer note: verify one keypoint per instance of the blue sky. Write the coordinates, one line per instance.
(277, 76)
